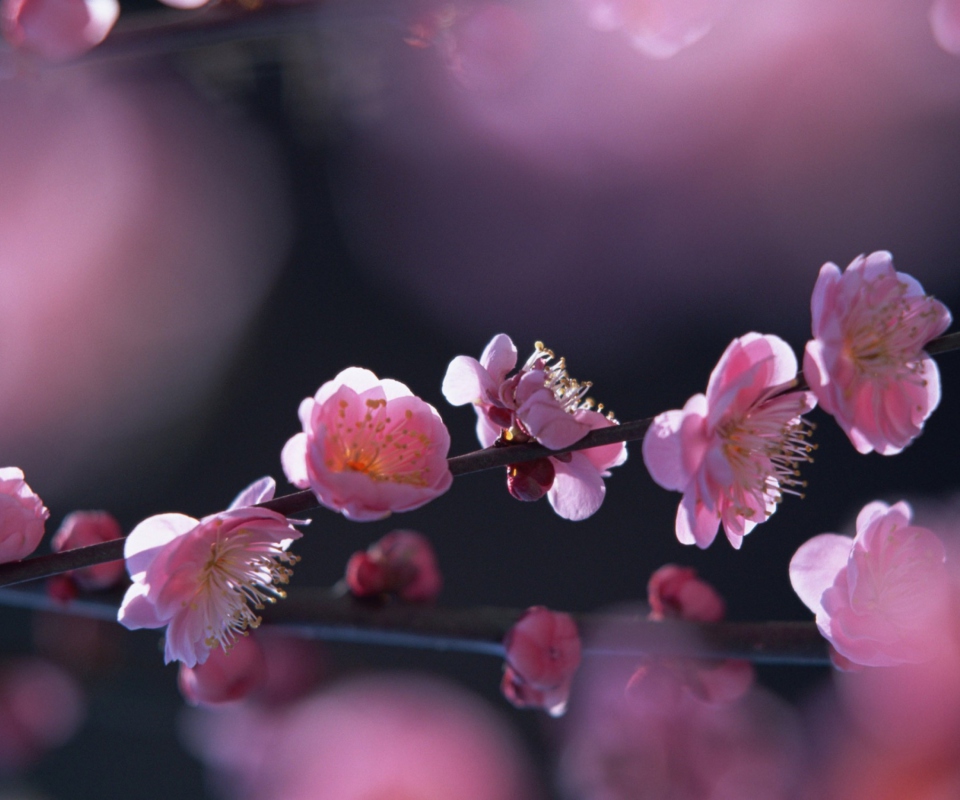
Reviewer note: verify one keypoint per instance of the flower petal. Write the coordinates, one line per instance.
(148, 539)
(815, 565)
(578, 490)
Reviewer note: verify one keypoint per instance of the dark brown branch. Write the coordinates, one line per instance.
(299, 502)
(331, 616)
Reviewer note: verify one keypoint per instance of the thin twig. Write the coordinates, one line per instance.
(299, 502)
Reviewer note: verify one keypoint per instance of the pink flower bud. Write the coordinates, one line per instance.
(530, 480)
(402, 562)
(226, 675)
(543, 653)
(677, 592)
(83, 528)
(57, 30)
(22, 516)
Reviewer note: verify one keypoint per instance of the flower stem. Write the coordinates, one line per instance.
(298, 502)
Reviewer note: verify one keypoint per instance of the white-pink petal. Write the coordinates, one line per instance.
(578, 489)
(814, 567)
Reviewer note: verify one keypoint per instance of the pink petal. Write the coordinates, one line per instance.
(138, 612)
(293, 458)
(543, 417)
(822, 297)
(662, 455)
(257, 492)
(696, 524)
(499, 357)
(577, 490)
(466, 381)
(355, 378)
(147, 540)
(815, 565)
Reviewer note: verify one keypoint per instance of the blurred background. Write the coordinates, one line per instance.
(193, 240)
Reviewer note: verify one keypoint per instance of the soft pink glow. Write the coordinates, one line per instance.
(945, 24)
(402, 562)
(734, 451)
(57, 30)
(22, 516)
(83, 528)
(226, 675)
(198, 578)
(866, 363)
(883, 597)
(677, 592)
(369, 447)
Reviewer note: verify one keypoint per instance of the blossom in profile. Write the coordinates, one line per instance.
(735, 451)
(543, 653)
(539, 402)
(22, 516)
(57, 30)
(401, 563)
(369, 447)
(866, 362)
(199, 578)
(81, 529)
(226, 675)
(882, 598)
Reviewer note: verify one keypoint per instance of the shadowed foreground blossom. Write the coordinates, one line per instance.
(83, 528)
(226, 675)
(199, 578)
(882, 598)
(369, 447)
(543, 653)
(373, 738)
(22, 516)
(57, 30)
(539, 402)
(734, 452)
(401, 563)
(866, 363)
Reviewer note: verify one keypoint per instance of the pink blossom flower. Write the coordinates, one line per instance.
(539, 402)
(733, 452)
(226, 675)
(83, 528)
(369, 447)
(199, 577)
(678, 593)
(543, 653)
(881, 598)
(57, 30)
(866, 363)
(22, 516)
(402, 562)
(944, 19)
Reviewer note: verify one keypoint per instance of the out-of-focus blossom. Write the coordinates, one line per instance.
(945, 24)
(374, 738)
(294, 667)
(369, 447)
(734, 452)
(185, 4)
(543, 653)
(539, 402)
(866, 363)
(401, 563)
(678, 593)
(83, 528)
(881, 598)
(652, 739)
(57, 30)
(41, 707)
(199, 577)
(226, 675)
(22, 516)
(657, 28)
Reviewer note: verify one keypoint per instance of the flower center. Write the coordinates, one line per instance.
(570, 393)
(380, 447)
(764, 449)
(242, 570)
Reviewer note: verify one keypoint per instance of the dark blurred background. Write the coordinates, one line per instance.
(192, 243)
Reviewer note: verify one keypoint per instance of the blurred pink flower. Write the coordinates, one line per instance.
(83, 528)
(866, 363)
(543, 653)
(22, 516)
(373, 738)
(198, 577)
(57, 30)
(41, 707)
(882, 598)
(226, 675)
(677, 592)
(539, 402)
(369, 447)
(657, 28)
(945, 23)
(402, 563)
(733, 452)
